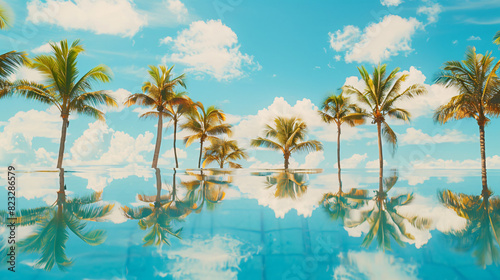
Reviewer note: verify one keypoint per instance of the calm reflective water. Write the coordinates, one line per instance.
(140, 224)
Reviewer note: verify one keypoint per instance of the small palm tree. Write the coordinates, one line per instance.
(175, 111)
(158, 94)
(380, 95)
(64, 89)
(289, 136)
(224, 151)
(205, 125)
(52, 222)
(482, 232)
(338, 109)
(478, 96)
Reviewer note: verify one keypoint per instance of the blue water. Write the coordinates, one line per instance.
(253, 225)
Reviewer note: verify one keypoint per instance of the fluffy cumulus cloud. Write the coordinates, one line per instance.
(389, 3)
(101, 145)
(417, 137)
(374, 164)
(45, 48)
(211, 48)
(432, 11)
(378, 41)
(168, 13)
(423, 105)
(352, 162)
(116, 17)
(429, 162)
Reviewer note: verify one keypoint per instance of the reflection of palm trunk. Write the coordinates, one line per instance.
(63, 140)
(61, 194)
(158, 140)
(175, 138)
(158, 188)
(338, 158)
(483, 157)
(381, 158)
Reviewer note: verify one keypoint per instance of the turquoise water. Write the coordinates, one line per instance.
(253, 225)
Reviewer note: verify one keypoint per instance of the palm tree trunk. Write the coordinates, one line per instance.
(158, 187)
(338, 157)
(61, 194)
(381, 158)
(175, 139)
(483, 157)
(63, 140)
(222, 164)
(158, 140)
(201, 153)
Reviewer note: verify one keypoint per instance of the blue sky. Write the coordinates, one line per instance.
(255, 60)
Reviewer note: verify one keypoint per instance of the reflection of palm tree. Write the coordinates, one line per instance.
(159, 215)
(205, 189)
(338, 205)
(384, 219)
(482, 233)
(288, 184)
(51, 234)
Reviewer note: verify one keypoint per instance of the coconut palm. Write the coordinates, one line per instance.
(496, 38)
(380, 95)
(158, 217)
(205, 125)
(338, 205)
(478, 97)
(158, 93)
(224, 151)
(64, 89)
(386, 221)
(288, 136)
(52, 225)
(339, 109)
(175, 111)
(482, 232)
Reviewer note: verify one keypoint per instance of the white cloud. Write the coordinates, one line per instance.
(45, 48)
(378, 41)
(313, 160)
(26, 73)
(120, 95)
(389, 3)
(432, 12)
(474, 38)
(170, 153)
(116, 17)
(352, 162)
(417, 137)
(211, 48)
(374, 164)
(168, 13)
(454, 42)
(429, 162)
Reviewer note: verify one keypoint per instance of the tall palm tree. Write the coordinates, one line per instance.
(64, 89)
(339, 109)
(380, 95)
(496, 38)
(224, 151)
(175, 112)
(158, 93)
(288, 136)
(205, 125)
(52, 222)
(159, 216)
(478, 96)
(482, 231)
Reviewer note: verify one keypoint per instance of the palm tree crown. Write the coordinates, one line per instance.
(224, 151)
(158, 93)
(205, 125)
(64, 88)
(288, 136)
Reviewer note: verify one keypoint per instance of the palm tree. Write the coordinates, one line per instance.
(64, 89)
(52, 223)
(224, 151)
(496, 38)
(289, 136)
(482, 232)
(205, 125)
(384, 219)
(158, 94)
(478, 96)
(175, 112)
(158, 216)
(205, 189)
(338, 109)
(288, 184)
(4, 16)
(380, 95)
